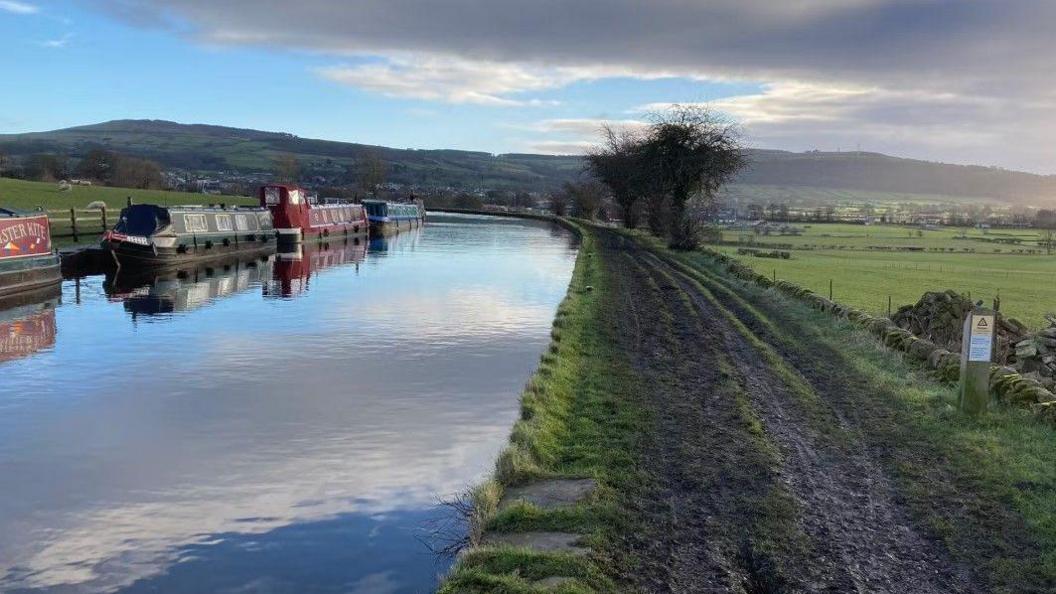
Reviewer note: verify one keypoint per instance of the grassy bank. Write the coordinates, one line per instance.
(27, 195)
(578, 419)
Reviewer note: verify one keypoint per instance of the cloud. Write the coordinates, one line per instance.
(452, 80)
(59, 43)
(946, 63)
(15, 7)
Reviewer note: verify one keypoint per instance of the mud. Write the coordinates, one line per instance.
(805, 507)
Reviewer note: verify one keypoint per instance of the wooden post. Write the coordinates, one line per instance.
(830, 289)
(977, 345)
(889, 306)
(73, 223)
(105, 226)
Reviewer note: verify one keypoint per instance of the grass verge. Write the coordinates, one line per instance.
(578, 419)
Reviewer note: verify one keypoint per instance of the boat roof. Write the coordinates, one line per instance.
(8, 213)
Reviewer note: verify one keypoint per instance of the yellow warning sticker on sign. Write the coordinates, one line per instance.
(983, 324)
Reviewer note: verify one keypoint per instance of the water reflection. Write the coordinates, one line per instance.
(183, 288)
(271, 444)
(27, 323)
(294, 269)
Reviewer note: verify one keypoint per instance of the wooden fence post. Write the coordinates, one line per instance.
(73, 223)
(105, 226)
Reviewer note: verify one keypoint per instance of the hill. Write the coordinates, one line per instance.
(232, 152)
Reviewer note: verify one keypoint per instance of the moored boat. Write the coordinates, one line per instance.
(300, 217)
(387, 218)
(151, 235)
(27, 260)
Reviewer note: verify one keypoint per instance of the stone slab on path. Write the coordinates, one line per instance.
(548, 542)
(552, 582)
(550, 494)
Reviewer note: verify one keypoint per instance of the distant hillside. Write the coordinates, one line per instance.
(212, 149)
(207, 149)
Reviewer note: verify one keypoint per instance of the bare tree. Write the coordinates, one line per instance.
(372, 173)
(559, 203)
(691, 151)
(617, 163)
(287, 168)
(586, 198)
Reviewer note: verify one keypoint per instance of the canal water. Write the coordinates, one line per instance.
(280, 425)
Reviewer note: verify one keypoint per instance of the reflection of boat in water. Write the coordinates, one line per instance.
(383, 244)
(183, 288)
(27, 322)
(294, 269)
(27, 261)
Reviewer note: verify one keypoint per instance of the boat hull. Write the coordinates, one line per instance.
(288, 237)
(29, 274)
(385, 228)
(199, 250)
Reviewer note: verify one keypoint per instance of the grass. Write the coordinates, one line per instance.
(28, 195)
(785, 194)
(866, 278)
(577, 420)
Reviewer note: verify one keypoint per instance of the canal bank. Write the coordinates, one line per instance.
(742, 442)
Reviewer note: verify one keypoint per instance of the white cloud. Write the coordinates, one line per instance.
(456, 80)
(59, 43)
(16, 7)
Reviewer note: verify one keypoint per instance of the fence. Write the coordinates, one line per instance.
(77, 222)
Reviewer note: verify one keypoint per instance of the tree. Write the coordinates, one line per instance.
(617, 163)
(690, 151)
(97, 165)
(130, 172)
(4, 162)
(559, 203)
(287, 168)
(372, 172)
(586, 198)
(47, 167)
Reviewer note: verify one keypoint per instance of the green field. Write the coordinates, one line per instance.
(865, 278)
(26, 195)
(796, 195)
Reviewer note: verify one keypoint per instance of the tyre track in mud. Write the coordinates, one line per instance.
(700, 460)
(861, 539)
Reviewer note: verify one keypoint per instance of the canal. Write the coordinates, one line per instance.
(282, 425)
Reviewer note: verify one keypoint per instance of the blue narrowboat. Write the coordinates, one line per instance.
(387, 218)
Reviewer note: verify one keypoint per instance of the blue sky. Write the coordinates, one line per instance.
(502, 76)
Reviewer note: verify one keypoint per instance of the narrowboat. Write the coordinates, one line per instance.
(151, 235)
(160, 291)
(387, 218)
(300, 217)
(27, 260)
(295, 270)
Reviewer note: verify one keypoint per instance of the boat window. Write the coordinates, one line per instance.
(195, 223)
(223, 222)
(242, 222)
(272, 195)
(296, 196)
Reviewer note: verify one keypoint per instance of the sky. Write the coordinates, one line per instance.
(961, 81)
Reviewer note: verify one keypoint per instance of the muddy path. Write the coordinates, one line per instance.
(756, 483)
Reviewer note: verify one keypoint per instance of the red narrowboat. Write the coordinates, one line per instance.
(300, 217)
(27, 260)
